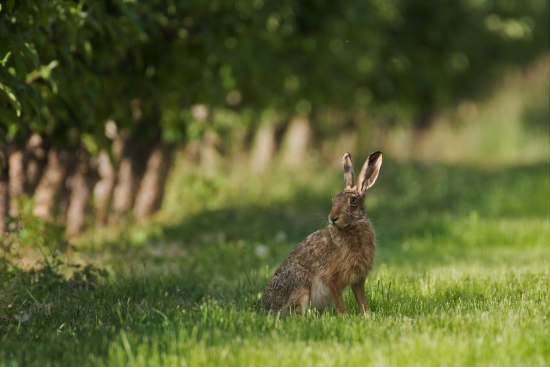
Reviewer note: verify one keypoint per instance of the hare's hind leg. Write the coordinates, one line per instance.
(299, 282)
(305, 301)
(359, 293)
(299, 302)
(288, 290)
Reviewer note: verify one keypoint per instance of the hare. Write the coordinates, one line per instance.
(321, 266)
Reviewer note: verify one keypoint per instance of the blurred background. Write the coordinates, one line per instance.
(112, 110)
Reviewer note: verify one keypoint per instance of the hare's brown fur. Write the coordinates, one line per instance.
(319, 268)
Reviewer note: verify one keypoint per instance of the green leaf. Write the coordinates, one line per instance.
(43, 72)
(12, 129)
(5, 59)
(8, 95)
(90, 142)
(5, 50)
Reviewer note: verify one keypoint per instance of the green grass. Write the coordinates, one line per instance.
(462, 277)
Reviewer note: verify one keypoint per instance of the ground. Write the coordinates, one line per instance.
(461, 277)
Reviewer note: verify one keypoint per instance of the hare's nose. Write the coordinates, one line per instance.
(333, 220)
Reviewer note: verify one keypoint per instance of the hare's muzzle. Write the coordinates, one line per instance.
(333, 218)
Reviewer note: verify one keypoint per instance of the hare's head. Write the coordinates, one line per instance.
(349, 205)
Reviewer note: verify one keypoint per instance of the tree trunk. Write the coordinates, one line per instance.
(123, 193)
(4, 188)
(51, 184)
(130, 169)
(297, 140)
(264, 147)
(421, 124)
(133, 158)
(80, 193)
(17, 179)
(151, 190)
(210, 158)
(423, 121)
(37, 158)
(103, 190)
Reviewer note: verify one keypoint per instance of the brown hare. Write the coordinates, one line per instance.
(321, 266)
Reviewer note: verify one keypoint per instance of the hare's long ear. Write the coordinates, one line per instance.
(348, 170)
(369, 172)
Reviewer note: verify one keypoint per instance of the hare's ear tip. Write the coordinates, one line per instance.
(346, 157)
(375, 158)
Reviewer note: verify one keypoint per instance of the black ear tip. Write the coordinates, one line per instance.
(375, 155)
(346, 158)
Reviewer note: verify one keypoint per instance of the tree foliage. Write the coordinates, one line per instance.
(66, 67)
(74, 64)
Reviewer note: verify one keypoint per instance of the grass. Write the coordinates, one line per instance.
(462, 277)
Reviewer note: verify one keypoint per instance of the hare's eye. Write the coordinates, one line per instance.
(353, 200)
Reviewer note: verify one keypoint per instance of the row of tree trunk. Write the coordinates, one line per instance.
(71, 186)
(62, 181)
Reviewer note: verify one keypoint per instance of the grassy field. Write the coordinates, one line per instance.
(462, 277)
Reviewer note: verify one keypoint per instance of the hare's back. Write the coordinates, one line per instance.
(314, 252)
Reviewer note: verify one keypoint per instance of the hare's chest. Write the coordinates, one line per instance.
(355, 264)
